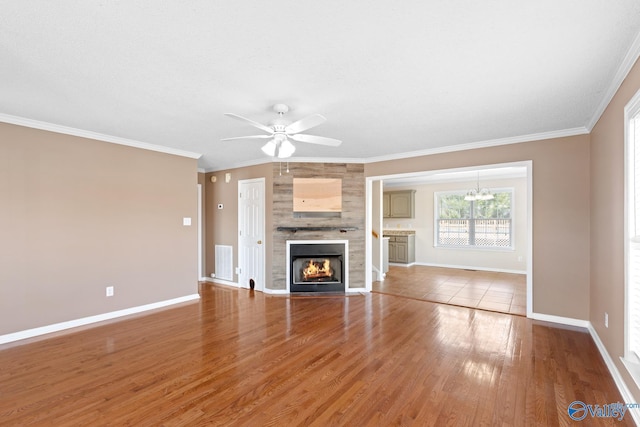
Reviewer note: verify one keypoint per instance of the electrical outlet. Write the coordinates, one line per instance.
(606, 320)
(109, 291)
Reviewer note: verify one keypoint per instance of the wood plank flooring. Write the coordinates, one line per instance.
(249, 359)
(487, 290)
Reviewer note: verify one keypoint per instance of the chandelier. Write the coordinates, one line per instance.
(478, 193)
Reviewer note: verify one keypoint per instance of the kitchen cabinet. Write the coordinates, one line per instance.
(402, 249)
(398, 204)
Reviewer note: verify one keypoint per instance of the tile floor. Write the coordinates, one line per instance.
(487, 290)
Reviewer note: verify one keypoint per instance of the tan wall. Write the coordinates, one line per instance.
(560, 213)
(222, 224)
(607, 223)
(77, 215)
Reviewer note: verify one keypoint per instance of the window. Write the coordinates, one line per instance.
(632, 232)
(478, 223)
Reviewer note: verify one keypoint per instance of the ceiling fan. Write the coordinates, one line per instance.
(281, 130)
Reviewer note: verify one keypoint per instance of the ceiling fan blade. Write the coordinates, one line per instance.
(251, 122)
(304, 124)
(248, 137)
(316, 139)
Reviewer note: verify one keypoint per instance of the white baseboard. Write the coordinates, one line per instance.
(615, 373)
(222, 282)
(356, 290)
(397, 264)
(613, 370)
(559, 319)
(470, 267)
(276, 291)
(57, 327)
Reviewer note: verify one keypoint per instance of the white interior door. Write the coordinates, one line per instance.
(251, 218)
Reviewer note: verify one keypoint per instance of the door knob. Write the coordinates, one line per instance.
(259, 242)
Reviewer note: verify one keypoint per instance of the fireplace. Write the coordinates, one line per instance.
(317, 265)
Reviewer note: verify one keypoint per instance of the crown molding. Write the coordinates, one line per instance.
(288, 160)
(35, 124)
(430, 151)
(483, 144)
(625, 67)
(66, 130)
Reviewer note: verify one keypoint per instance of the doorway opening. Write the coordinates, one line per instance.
(454, 271)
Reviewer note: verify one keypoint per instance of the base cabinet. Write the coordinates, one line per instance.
(402, 249)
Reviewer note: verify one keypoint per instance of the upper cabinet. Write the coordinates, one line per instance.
(399, 204)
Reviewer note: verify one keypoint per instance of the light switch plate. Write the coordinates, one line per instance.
(186, 221)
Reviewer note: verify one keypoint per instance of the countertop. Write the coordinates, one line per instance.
(397, 232)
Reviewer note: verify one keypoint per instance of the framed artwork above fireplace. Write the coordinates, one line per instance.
(317, 197)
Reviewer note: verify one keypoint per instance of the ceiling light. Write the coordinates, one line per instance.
(286, 149)
(269, 148)
(279, 147)
(477, 193)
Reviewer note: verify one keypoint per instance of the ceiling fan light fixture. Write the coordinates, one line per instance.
(286, 149)
(269, 148)
(280, 130)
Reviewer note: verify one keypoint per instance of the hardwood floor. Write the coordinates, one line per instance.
(243, 358)
(487, 290)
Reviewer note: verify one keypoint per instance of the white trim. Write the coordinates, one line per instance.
(276, 291)
(559, 319)
(529, 166)
(356, 290)
(615, 373)
(631, 110)
(222, 282)
(625, 67)
(368, 235)
(472, 267)
(66, 130)
(56, 327)
(266, 160)
(482, 144)
(430, 151)
(200, 230)
(398, 264)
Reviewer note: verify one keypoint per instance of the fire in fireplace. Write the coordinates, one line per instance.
(317, 271)
(316, 266)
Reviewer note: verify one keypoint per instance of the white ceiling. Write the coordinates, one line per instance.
(390, 77)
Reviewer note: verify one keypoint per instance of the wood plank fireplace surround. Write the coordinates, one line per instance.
(303, 237)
